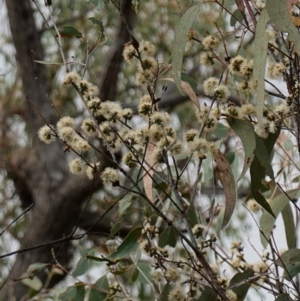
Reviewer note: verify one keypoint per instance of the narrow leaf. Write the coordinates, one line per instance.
(267, 221)
(34, 283)
(69, 294)
(168, 237)
(224, 174)
(259, 65)
(69, 32)
(278, 12)
(99, 290)
(36, 268)
(290, 262)
(82, 267)
(80, 292)
(208, 294)
(48, 63)
(283, 297)
(99, 24)
(244, 129)
(125, 203)
(181, 33)
(236, 16)
(129, 244)
(261, 167)
(165, 292)
(289, 226)
(240, 284)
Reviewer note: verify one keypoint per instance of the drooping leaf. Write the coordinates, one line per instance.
(261, 167)
(99, 24)
(69, 294)
(80, 292)
(244, 129)
(189, 91)
(289, 226)
(69, 32)
(290, 262)
(208, 294)
(168, 237)
(239, 284)
(283, 297)
(236, 16)
(228, 3)
(278, 12)
(125, 203)
(82, 267)
(165, 292)
(135, 275)
(33, 282)
(181, 34)
(99, 290)
(224, 174)
(259, 62)
(48, 63)
(263, 154)
(267, 221)
(36, 268)
(145, 273)
(128, 245)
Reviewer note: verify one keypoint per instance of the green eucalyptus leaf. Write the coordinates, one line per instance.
(290, 262)
(259, 62)
(36, 268)
(244, 129)
(99, 290)
(69, 294)
(267, 221)
(48, 63)
(99, 24)
(208, 294)
(128, 245)
(283, 297)
(165, 292)
(181, 34)
(289, 226)
(236, 16)
(135, 275)
(33, 282)
(125, 203)
(69, 32)
(279, 15)
(82, 267)
(168, 237)
(240, 285)
(80, 292)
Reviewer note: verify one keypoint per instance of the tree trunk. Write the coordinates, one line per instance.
(40, 172)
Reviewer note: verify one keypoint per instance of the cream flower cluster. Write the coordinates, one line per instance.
(144, 56)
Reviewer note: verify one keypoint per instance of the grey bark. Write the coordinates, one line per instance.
(40, 172)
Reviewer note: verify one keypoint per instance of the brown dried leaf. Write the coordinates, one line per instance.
(224, 174)
(188, 90)
(148, 172)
